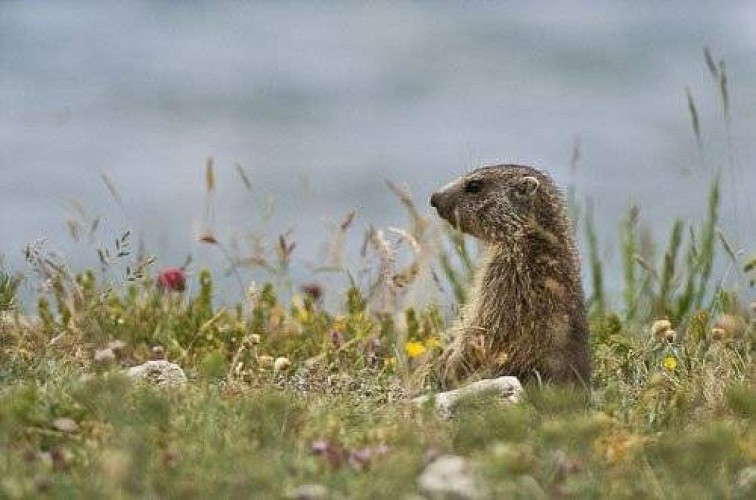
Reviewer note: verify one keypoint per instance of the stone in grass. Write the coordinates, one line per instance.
(745, 483)
(104, 357)
(449, 476)
(310, 492)
(509, 388)
(67, 425)
(160, 372)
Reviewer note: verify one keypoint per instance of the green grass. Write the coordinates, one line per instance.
(672, 413)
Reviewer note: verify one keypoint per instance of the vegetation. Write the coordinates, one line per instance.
(286, 392)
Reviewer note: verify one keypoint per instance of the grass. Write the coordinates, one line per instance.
(286, 391)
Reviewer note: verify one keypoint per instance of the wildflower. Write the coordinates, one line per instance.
(171, 279)
(669, 363)
(414, 349)
(332, 453)
(361, 458)
(281, 364)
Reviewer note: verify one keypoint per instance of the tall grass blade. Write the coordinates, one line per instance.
(694, 120)
(629, 252)
(111, 187)
(597, 300)
(710, 63)
(458, 286)
(243, 177)
(708, 236)
(209, 176)
(724, 93)
(666, 282)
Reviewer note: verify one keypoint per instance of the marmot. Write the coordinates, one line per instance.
(525, 313)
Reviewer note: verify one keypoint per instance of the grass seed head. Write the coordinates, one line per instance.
(660, 327)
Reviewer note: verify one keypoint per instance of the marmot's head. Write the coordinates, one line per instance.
(501, 203)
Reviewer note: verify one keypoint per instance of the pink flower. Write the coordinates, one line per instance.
(171, 279)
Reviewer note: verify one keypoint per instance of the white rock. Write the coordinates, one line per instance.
(745, 483)
(509, 388)
(449, 476)
(66, 425)
(104, 356)
(159, 372)
(310, 492)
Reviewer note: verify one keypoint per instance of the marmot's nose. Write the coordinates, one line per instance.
(434, 200)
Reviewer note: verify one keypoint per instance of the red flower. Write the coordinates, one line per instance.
(171, 279)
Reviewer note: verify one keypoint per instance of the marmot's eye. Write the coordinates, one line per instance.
(473, 186)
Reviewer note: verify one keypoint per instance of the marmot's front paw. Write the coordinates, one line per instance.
(451, 368)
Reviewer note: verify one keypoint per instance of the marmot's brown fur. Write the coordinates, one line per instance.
(525, 313)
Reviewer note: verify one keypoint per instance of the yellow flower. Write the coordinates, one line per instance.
(414, 349)
(669, 363)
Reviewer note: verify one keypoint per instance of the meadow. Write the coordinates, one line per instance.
(290, 395)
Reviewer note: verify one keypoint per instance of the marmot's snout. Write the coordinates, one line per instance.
(443, 202)
(437, 201)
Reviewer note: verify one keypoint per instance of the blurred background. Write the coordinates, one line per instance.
(320, 103)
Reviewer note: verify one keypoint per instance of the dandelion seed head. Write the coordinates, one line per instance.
(660, 327)
(281, 363)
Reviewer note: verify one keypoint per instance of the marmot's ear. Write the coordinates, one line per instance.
(527, 186)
